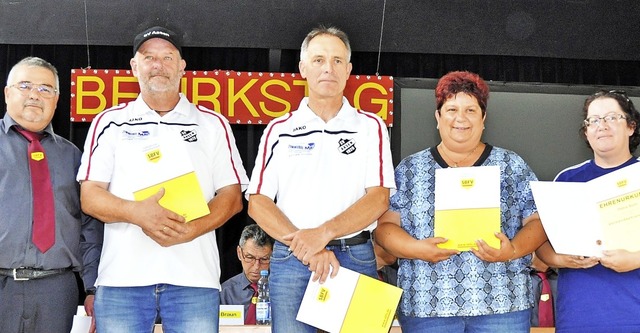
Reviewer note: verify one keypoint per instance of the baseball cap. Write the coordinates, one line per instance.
(157, 32)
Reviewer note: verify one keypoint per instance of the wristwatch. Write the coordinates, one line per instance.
(90, 291)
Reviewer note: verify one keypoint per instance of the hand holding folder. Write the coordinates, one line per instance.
(167, 165)
(182, 195)
(586, 218)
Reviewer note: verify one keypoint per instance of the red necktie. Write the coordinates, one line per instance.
(43, 207)
(545, 303)
(250, 316)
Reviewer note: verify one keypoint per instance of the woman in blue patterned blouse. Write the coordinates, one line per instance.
(483, 290)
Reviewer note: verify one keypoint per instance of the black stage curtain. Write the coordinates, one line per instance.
(495, 68)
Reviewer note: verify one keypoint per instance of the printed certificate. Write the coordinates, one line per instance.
(586, 218)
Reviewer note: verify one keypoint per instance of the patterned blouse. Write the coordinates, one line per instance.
(463, 285)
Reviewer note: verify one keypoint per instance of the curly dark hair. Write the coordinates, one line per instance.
(633, 116)
(465, 82)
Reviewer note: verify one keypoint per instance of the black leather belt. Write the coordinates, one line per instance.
(25, 274)
(360, 238)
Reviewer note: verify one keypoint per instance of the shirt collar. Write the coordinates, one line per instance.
(346, 111)
(247, 283)
(142, 108)
(9, 122)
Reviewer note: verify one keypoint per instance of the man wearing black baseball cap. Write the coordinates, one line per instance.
(157, 32)
(154, 265)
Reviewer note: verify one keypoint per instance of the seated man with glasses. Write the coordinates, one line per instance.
(254, 252)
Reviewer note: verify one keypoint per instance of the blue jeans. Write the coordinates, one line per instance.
(512, 322)
(289, 278)
(135, 309)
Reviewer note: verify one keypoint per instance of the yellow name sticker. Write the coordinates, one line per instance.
(154, 155)
(323, 294)
(467, 183)
(37, 156)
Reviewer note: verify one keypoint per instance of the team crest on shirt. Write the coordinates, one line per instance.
(189, 136)
(346, 146)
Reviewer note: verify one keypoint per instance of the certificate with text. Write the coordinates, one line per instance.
(586, 218)
(467, 206)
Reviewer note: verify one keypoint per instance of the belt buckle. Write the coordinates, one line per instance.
(15, 276)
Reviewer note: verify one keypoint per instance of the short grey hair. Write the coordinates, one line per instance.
(260, 238)
(323, 30)
(34, 62)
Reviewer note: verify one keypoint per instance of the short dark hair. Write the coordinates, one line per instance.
(260, 238)
(633, 117)
(462, 82)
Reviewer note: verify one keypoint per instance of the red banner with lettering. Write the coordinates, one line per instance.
(242, 97)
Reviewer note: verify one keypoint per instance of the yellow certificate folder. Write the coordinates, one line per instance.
(182, 195)
(350, 302)
(464, 226)
(467, 206)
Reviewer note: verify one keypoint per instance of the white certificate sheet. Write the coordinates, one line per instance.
(567, 218)
(81, 322)
(587, 218)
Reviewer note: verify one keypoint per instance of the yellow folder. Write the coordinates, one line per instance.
(372, 307)
(467, 206)
(462, 227)
(183, 196)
